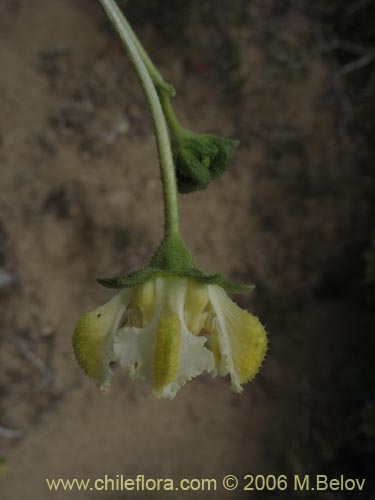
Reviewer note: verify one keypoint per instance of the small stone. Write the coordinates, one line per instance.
(7, 280)
(47, 331)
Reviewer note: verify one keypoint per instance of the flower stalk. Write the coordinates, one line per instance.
(147, 74)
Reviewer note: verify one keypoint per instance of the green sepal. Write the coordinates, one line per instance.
(173, 259)
(200, 159)
(148, 273)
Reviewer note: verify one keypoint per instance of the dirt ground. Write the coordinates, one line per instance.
(80, 198)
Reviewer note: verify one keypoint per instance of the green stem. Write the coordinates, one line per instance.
(169, 113)
(167, 169)
(164, 89)
(155, 74)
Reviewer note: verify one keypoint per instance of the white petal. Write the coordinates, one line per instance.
(194, 360)
(135, 347)
(194, 357)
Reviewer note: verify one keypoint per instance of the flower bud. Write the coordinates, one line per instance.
(200, 159)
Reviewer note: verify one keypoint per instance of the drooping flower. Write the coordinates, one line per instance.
(171, 321)
(168, 331)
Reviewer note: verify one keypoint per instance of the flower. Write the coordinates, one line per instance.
(167, 331)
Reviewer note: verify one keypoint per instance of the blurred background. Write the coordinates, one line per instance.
(80, 198)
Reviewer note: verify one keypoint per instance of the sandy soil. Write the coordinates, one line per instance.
(80, 198)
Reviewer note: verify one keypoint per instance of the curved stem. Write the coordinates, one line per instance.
(167, 169)
(155, 74)
(169, 113)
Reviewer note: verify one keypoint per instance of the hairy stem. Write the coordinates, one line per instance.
(167, 169)
(169, 113)
(155, 74)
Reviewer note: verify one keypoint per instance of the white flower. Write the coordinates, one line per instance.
(168, 331)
